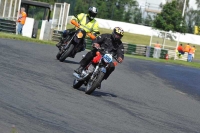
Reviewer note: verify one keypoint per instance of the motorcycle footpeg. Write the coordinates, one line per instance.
(76, 75)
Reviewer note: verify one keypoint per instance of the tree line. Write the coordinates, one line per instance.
(129, 11)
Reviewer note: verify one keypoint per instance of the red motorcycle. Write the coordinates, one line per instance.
(93, 74)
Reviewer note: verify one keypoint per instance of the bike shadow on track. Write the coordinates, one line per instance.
(97, 93)
(71, 62)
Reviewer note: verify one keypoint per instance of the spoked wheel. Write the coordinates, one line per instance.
(93, 84)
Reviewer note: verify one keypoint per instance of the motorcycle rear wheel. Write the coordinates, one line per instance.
(92, 85)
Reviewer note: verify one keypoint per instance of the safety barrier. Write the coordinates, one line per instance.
(56, 35)
(7, 26)
(141, 50)
(88, 43)
(172, 53)
(183, 57)
(128, 48)
(163, 53)
(132, 49)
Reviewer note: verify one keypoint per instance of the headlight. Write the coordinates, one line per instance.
(79, 35)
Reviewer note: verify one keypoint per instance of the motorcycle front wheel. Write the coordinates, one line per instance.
(58, 55)
(93, 84)
(77, 84)
(66, 53)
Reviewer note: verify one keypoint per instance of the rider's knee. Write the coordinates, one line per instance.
(112, 66)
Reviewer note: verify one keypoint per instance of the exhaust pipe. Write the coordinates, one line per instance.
(80, 78)
(76, 75)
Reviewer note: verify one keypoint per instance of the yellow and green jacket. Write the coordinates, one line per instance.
(91, 26)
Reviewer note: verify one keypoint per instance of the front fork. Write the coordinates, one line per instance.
(95, 72)
(66, 46)
(102, 69)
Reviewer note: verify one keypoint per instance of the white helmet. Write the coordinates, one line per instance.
(92, 11)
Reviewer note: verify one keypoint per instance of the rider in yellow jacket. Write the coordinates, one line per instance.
(88, 23)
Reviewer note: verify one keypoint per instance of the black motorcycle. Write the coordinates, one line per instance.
(93, 74)
(73, 42)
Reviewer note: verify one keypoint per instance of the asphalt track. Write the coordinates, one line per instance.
(139, 97)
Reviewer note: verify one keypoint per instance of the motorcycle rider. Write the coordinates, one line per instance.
(111, 42)
(88, 23)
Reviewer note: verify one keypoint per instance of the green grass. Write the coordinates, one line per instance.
(128, 38)
(18, 37)
(170, 61)
(145, 40)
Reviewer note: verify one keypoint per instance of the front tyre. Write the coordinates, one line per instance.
(77, 84)
(58, 55)
(66, 53)
(92, 85)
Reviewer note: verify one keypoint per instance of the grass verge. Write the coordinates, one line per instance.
(22, 38)
(170, 61)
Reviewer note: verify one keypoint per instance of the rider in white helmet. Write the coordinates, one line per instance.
(88, 23)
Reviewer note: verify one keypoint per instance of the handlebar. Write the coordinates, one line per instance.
(102, 51)
(78, 26)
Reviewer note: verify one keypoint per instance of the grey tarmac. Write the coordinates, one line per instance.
(36, 95)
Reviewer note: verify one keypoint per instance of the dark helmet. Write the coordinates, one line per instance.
(92, 11)
(117, 33)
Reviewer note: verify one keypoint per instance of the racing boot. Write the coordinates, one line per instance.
(72, 55)
(79, 70)
(99, 87)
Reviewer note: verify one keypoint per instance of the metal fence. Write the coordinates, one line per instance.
(134, 49)
(131, 49)
(56, 35)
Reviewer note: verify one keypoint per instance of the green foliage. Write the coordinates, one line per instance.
(127, 11)
(107, 9)
(127, 16)
(197, 17)
(170, 19)
(198, 3)
(79, 8)
(36, 12)
(149, 20)
(103, 11)
(180, 4)
(137, 16)
(190, 17)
